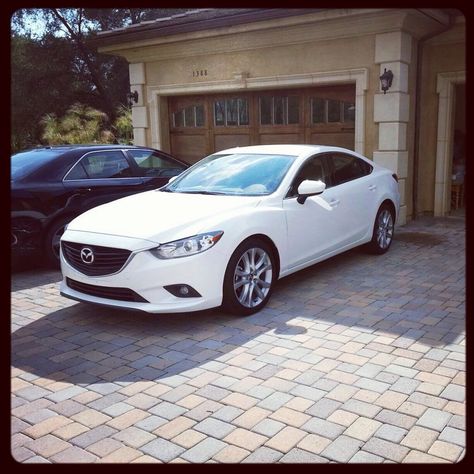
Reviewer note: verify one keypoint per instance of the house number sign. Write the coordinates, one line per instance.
(199, 72)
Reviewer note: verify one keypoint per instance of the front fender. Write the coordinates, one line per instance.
(269, 222)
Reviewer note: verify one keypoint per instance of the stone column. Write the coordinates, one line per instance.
(391, 110)
(139, 109)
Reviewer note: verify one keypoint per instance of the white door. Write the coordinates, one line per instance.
(356, 190)
(312, 226)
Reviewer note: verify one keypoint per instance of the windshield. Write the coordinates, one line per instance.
(26, 162)
(238, 174)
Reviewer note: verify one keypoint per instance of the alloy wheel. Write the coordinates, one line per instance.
(384, 229)
(253, 277)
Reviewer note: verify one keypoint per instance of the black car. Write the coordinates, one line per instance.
(52, 185)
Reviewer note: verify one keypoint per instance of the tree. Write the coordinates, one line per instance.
(54, 66)
(43, 79)
(80, 24)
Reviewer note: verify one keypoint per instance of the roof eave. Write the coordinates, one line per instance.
(152, 30)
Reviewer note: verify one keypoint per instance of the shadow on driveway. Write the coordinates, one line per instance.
(414, 293)
(31, 272)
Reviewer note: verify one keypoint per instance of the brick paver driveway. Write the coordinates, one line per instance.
(357, 359)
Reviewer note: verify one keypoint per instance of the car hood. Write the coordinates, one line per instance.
(160, 216)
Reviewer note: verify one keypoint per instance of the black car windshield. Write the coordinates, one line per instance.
(26, 162)
(237, 174)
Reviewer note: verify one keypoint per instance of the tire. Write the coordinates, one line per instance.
(383, 232)
(249, 278)
(51, 241)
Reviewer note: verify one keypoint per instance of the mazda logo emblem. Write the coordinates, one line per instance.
(87, 255)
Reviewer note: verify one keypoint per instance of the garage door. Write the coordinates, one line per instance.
(201, 125)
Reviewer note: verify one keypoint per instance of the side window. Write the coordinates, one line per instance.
(152, 164)
(101, 165)
(346, 168)
(312, 169)
(77, 172)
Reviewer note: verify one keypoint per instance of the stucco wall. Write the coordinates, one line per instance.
(268, 61)
(314, 56)
(438, 57)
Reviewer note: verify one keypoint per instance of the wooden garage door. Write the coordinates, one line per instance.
(201, 125)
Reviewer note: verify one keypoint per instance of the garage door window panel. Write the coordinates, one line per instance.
(243, 105)
(318, 110)
(349, 112)
(191, 116)
(233, 112)
(327, 111)
(334, 111)
(279, 110)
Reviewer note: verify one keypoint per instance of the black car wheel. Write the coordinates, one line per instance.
(249, 278)
(51, 241)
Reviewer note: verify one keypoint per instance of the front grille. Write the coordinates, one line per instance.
(107, 260)
(111, 293)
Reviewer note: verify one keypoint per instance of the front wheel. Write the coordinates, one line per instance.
(382, 235)
(51, 241)
(249, 278)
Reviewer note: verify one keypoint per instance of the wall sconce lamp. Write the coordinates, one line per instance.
(132, 96)
(386, 80)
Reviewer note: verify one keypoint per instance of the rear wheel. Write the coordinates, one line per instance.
(249, 278)
(384, 226)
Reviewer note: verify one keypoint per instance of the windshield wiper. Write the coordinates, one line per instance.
(209, 193)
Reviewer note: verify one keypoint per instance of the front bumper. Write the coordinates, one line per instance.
(147, 276)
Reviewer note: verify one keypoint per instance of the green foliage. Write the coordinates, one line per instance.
(81, 124)
(123, 125)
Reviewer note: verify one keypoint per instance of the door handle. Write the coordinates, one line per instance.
(372, 187)
(334, 202)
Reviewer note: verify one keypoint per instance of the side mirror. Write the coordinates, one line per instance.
(309, 188)
(172, 179)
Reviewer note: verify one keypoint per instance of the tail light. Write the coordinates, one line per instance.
(395, 177)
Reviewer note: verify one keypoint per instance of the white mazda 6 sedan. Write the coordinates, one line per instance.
(226, 229)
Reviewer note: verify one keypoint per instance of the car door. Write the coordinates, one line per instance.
(311, 227)
(100, 177)
(353, 193)
(154, 167)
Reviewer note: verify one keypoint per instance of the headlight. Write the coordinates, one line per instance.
(189, 246)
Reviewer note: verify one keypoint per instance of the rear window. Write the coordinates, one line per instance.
(27, 162)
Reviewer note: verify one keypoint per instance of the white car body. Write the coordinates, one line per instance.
(340, 218)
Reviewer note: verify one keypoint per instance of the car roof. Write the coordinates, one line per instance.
(285, 149)
(87, 146)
